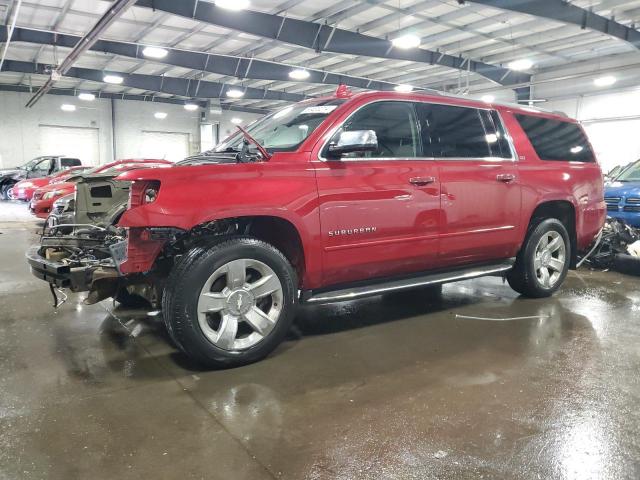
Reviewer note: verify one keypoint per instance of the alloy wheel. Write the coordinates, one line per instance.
(240, 304)
(550, 259)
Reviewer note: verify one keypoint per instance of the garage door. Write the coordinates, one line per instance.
(76, 142)
(172, 146)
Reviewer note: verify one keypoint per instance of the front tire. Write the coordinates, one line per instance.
(543, 262)
(4, 191)
(230, 303)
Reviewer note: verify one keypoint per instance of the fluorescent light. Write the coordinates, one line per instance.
(491, 138)
(87, 97)
(284, 112)
(235, 93)
(299, 74)
(577, 149)
(488, 98)
(406, 41)
(160, 115)
(403, 88)
(522, 64)
(236, 121)
(115, 79)
(155, 52)
(192, 107)
(67, 107)
(605, 81)
(233, 4)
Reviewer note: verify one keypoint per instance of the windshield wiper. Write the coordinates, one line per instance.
(248, 138)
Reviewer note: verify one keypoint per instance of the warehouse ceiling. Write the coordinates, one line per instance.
(464, 46)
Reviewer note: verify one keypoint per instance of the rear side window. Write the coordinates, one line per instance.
(69, 162)
(556, 140)
(455, 132)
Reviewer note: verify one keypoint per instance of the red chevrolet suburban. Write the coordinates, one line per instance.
(331, 200)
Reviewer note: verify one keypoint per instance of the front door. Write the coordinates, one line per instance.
(380, 211)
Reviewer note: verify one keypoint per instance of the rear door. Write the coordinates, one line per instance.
(480, 190)
(380, 211)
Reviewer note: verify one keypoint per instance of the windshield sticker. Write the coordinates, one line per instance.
(320, 109)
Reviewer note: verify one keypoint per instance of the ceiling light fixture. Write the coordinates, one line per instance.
(155, 52)
(403, 88)
(235, 93)
(192, 107)
(233, 4)
(114, 79)
(299, 74)
(522, 64)
(160, 115)
(87, 97)
(236, 121)
(577, 149)
(606, 81)
(67, 107)
(488, 98)
(406, 41)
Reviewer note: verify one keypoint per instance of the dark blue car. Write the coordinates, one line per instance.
(622, 195)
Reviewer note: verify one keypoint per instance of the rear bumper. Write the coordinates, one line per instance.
(61, 275)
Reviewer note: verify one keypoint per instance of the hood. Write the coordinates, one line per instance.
(69, 186)
(14, 173)
(622, 189)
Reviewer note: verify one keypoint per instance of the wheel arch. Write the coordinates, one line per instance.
(275, 230)
(565, 212)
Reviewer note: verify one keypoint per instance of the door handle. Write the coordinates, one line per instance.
(422, 181)
(505, 177)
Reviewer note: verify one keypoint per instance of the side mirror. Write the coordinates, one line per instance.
(355, 141)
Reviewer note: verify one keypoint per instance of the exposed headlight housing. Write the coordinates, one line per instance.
(143, 192)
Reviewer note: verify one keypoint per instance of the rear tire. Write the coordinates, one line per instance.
(543, 262)
(231, 302)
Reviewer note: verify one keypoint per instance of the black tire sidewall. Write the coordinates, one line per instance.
(541, 229)
(184, 298)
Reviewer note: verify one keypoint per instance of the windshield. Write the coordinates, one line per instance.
(284, 130)
(31, 163)
(631, 174)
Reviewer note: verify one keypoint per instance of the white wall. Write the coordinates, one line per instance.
(20, 127)
(612, 122)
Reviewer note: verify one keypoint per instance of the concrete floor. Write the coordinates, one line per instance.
(393, 388)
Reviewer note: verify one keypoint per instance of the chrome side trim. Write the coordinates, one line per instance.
(345, 294)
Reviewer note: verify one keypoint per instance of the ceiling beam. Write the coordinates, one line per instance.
(70, 92)
(565, 12)
(321, 37)
(184, 87)
(232, 66)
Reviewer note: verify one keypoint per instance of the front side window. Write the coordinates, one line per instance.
(43, 166)
(450, 131)
(556, 140)
(286, 129)
(396, 128)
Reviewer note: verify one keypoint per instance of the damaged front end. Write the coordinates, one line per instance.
(88, 252)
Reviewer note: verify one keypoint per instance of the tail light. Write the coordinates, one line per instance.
(143, 192)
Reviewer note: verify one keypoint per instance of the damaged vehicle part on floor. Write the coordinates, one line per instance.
(618, 249)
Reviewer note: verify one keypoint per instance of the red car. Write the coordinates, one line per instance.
(336, 199)
(24, 189)
(43, 198)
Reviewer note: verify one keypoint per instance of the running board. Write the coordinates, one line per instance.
(394, 285)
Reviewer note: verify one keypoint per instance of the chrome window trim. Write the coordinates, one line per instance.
(332, 132)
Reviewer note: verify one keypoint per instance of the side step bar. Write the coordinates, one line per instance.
(394, 285)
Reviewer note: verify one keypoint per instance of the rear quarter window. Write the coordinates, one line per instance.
(69, 162)
(555, 140)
